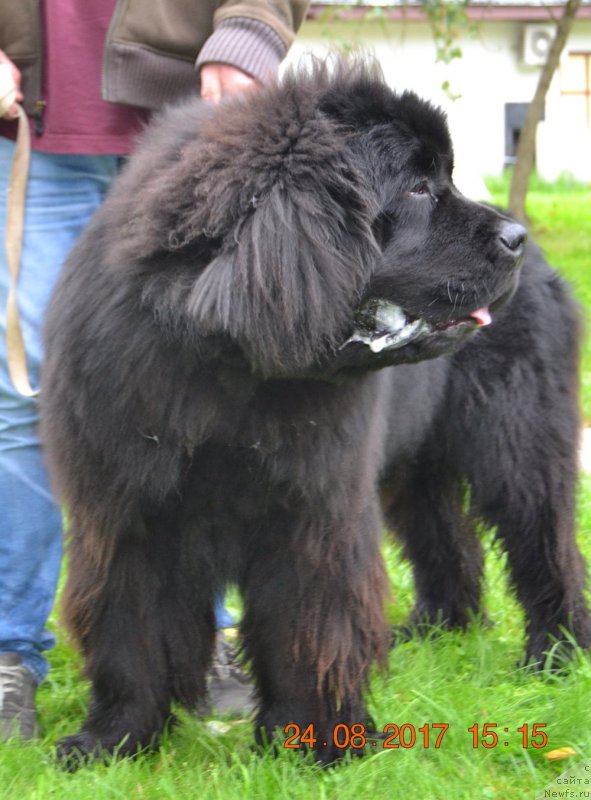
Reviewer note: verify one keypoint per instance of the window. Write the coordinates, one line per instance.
(514, 119)
(575, 86)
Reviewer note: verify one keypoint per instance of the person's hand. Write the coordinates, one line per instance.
(220, 79)
(10, 87)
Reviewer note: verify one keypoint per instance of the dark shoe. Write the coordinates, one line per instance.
(230, 691)
(18, 716)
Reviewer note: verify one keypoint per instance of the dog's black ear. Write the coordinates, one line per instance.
(293, 213)
(262, 206)
(284, 286)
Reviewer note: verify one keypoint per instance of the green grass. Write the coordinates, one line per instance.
(560, 215)
(459, 679)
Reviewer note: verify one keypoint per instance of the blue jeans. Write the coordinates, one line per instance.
(63, 192)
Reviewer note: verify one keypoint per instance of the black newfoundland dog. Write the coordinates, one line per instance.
(285, 326)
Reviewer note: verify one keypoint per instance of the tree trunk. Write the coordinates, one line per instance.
(524, 161)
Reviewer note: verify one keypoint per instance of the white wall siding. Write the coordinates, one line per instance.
(489, 74)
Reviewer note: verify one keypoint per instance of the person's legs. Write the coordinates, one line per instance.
(230, 690)
(63, 192)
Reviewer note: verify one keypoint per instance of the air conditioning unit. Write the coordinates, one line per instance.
(537, 40)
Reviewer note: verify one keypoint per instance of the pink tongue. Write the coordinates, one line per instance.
(482, 316)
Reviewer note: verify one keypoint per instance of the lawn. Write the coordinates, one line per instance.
(461, 680)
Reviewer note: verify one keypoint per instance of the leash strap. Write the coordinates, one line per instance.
(15, 215)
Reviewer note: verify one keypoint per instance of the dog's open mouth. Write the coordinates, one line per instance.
(382, 325)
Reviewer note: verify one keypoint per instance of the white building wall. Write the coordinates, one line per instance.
(564, 139)
(488, 75)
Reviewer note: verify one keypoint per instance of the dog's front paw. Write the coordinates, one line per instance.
(75, 751)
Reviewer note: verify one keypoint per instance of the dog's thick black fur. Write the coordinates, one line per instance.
(278, 318)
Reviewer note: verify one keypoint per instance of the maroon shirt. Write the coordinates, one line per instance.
(76, 119)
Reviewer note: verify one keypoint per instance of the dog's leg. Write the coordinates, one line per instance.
(524, 484)
(533, 509)
(144, 643)
(426, 513)
(313, 625)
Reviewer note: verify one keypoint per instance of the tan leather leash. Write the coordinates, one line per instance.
(15, 216)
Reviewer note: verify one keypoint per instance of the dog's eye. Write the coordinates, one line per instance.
(420, 188)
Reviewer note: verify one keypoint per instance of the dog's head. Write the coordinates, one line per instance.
(446, 264)
(315, 226)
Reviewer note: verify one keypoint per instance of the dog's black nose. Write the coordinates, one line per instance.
(513, 237)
